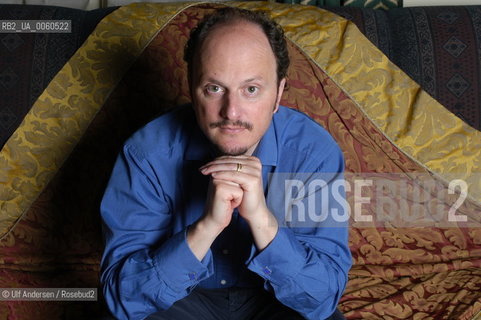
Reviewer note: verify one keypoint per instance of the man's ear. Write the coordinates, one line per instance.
(280, 90)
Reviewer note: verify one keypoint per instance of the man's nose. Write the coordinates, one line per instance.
(230, 106)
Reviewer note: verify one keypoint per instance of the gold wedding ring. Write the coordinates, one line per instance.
(239, 167)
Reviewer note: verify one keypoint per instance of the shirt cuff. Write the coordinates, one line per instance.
(283, 258)
(178, 267)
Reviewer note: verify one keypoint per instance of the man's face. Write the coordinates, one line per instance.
(234, 87)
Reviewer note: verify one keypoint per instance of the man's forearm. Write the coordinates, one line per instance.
(200, 237)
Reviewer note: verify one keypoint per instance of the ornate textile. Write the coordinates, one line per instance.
(55, 166)
(438, 47)
(375, 4)
(29, 61)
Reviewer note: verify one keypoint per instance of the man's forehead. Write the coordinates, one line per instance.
(237, 40)
(234, 29)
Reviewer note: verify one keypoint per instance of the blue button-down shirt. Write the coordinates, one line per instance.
(156, 192)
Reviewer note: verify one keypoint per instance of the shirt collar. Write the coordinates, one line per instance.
(198, 146)
(266, 150)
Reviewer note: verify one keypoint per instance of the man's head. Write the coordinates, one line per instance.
(237, 62)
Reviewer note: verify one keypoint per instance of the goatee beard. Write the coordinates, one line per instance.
(233, 152)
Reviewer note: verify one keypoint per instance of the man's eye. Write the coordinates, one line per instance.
(252, 90)
(213, 88)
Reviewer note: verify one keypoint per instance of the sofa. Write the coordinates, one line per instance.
(399, 90)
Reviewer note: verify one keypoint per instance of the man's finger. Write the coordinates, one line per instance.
(230, 159)
(229, 182)
(246, 164)
(232, 167)
(240, 179)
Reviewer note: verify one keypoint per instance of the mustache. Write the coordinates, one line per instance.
(237, 123)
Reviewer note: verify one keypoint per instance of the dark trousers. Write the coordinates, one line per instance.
(232, 304)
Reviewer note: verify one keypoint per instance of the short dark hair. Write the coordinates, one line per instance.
(227, 15)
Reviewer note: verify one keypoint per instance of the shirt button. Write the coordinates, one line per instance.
(225, 251)
(266, 270)
(223, 282)
(192, 276)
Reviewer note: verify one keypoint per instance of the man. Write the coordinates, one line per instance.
(188, 231)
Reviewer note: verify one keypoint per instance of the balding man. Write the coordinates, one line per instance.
(189, 233)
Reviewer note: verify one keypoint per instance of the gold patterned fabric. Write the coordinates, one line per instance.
(131, 69)
(63, 112)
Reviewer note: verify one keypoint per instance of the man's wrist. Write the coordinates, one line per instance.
(262, 219)
(264, 228)
(207, 228)
(200, 237)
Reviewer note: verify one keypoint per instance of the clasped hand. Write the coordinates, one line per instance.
(236, 183)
